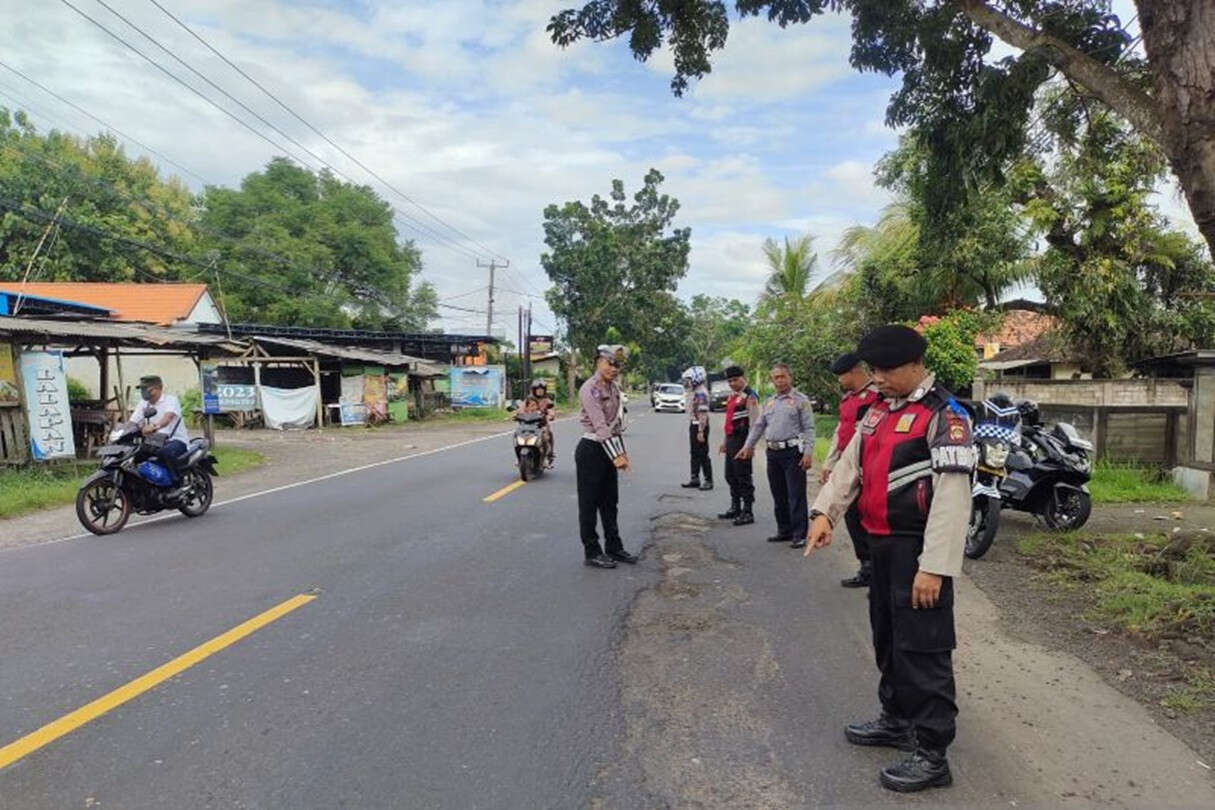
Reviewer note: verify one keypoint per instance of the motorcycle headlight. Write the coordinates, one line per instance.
(995, 454)
(1084, 463)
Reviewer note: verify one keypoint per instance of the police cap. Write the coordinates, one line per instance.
(845, 363)
(613, 352)
(734, 371)
(892, 346)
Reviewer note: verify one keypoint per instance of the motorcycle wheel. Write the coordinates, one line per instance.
(199, 492)
(525, 467)
(97, 503)
(1068, 511)
(984, 523)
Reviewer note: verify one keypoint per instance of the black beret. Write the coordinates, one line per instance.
(892, 346)
(845, 363)
(734, 371)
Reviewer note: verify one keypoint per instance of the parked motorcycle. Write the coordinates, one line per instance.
(531, 445)
(132, 479)
(996, 434)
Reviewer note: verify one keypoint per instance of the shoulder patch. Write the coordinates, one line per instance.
(953, 447)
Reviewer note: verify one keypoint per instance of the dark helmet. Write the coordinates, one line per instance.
(1030, 414)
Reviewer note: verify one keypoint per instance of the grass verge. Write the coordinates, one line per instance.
(1155, 588)
(32, 488)
(1115, 482)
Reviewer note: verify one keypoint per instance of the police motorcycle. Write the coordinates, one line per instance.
(1048, 476)
(531, 445)
(132, 479)
(996, 433)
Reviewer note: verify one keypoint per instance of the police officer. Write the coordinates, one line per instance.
(599, 457)
(908, 468)
(694, 380)
(859, 394)
(742, 410)
(786, 424)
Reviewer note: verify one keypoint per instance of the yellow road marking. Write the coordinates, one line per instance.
(74, 720)
(502, 493)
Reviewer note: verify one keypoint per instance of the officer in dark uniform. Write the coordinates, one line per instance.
(908, 468)
(599, 457)
(742, 410)
(859, 394)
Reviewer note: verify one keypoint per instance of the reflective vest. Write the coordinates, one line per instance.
(738, 420)
(853, 406)
(896, 465)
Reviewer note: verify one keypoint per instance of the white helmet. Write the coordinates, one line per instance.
(695, 375)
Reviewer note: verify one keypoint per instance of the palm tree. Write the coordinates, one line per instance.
(792, 267)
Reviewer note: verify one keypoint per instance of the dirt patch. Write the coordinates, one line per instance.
(1154, 672)
(693, 716)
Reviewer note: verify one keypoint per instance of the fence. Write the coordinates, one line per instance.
(1145, 435)
(1146, 391)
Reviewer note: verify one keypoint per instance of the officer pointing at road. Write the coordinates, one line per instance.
(908, 469)
(598, 459)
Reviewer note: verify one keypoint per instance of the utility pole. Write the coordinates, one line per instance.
(528, 344)
(489, 317)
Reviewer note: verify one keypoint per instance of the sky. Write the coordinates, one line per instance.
(466, 108)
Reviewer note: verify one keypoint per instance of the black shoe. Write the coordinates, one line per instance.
(861, 580)
(602, 561)
(798, 543)
(624, 557)
(882, 731)
(730, 513)
(779, 538)
(744, 518)
(923, 769)
(693, 484)
(706, 486)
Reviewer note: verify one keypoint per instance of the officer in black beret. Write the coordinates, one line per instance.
(908, 468)
(742, 411)
(859, 394)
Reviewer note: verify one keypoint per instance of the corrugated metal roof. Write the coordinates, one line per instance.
(416, 364)
(129, 334)
(162, 304)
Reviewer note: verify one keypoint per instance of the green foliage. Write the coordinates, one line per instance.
(615, 266)
(191, 403)
(715, 326)
(792, 267)
(1115, 482)
(951, 353)
(77, 391)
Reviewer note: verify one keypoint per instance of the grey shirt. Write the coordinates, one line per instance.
(783, 418)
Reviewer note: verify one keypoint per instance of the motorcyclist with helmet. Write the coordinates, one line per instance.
(548, 407)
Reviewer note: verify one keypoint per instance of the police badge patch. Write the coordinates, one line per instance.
(905, 422)
(952, 448)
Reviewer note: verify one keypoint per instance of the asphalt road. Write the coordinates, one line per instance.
(457, 653)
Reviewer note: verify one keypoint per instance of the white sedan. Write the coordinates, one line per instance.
(669, 397)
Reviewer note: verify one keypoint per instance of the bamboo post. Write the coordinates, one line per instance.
(320, 405)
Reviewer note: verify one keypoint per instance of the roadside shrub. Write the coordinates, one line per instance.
(77, 392)
(191, 399)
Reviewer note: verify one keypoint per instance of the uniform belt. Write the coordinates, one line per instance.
(784, 445)
(595, 437)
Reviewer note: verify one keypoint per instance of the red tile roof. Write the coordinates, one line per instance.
(163, 304)
(1020, 327)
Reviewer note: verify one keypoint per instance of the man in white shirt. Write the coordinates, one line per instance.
(167, 420)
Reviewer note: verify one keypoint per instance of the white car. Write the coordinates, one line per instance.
(669, 397)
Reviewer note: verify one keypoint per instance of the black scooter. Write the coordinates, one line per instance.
(531, 445)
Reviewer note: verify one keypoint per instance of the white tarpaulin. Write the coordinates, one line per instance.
(289, 408)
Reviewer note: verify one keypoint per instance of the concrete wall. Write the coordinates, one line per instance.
(1139, 392)
(179, 373)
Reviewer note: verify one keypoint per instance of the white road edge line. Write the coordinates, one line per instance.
(292, 485)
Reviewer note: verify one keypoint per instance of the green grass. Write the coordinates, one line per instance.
(471, 415)
(824, 430)
(32, 488)
(1115, 482)
(1195, 695)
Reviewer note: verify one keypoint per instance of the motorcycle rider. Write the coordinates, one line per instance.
(549, 408)
(166, 421)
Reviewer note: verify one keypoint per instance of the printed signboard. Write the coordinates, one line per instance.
(540, 346)
(46, 403)
(222, 396)
(476, 386)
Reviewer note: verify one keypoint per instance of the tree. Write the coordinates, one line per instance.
(1125, 285)
(716, 325)
(973, 111)
(305, 248)
(951, 354)
(617, 264)
(792, 267)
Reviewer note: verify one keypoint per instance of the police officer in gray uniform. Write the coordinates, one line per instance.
(786, 423)
(598, 459)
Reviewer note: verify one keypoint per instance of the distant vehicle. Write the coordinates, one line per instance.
(719, 394)
(668, 397)
(531, 445)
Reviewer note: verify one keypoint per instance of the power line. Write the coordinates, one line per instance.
(420, 228)
(110, 127)
(326, 138)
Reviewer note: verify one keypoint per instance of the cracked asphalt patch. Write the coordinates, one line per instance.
(693, 676)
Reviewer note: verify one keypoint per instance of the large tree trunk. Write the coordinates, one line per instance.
(1179, 37)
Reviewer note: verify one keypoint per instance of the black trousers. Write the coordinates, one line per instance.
(787, 480)
(913, 647)
(700, 454)
(738, 473)
(860, 539)
(598, 494)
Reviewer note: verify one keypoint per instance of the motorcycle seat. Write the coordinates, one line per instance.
(199, 443)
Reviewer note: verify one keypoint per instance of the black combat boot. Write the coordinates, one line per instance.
(732, 512)
(745, 518)
(693, 484)
(923, 769)
(861, 580)
(883, 731)
(706, 485)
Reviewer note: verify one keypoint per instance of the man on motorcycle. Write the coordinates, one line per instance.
(167, 420)
(549, 408)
